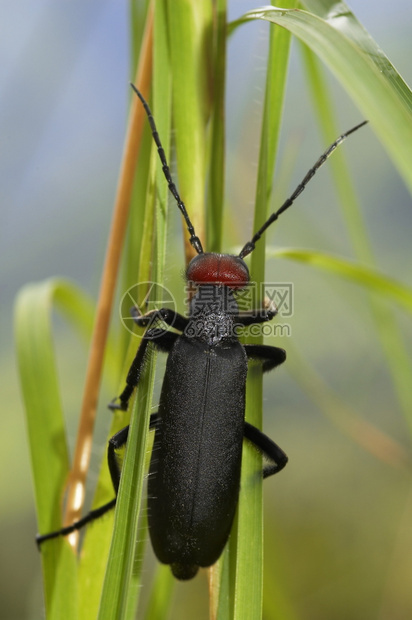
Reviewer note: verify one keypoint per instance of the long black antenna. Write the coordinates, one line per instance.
(250, 245)
(194, 239)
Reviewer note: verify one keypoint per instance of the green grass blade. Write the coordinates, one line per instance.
(367, 277)
(348, 200)
(246, 550)
(342, 18)
(46, 425)
(122, 581)
(161, 105)
(391, 337)
(120, 588)
(117, 587)
(272, 117)
(115, 601)
(162, 110)
(395, 352)
(365, 73)
(216, 182)
(248, 595)
(190, 45)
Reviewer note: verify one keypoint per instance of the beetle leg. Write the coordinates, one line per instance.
(77, 525)
(117, 441)
(268, 448)
(163, 340)
(269, 356)
(170, 317)
(253, 317)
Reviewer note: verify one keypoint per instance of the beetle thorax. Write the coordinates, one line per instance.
(213, 313)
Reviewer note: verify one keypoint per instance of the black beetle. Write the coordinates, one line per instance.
(194, 478)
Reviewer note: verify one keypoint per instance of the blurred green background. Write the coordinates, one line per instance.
(338, 538)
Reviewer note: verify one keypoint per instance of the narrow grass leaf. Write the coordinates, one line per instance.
(161, 106)
(46, 425)
(190, 27)
(367, 277)
(325, 113)
(115, 596)
(358, 63)
(393, 345)
(162, 110)
(249, 557)
(122, 581)
(216, 181)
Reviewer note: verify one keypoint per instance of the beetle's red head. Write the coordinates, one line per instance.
(213, 268)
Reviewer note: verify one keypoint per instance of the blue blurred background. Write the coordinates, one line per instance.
(341, 543)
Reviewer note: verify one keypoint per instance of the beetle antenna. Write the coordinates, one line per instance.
(194, 239)
(250, 245)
